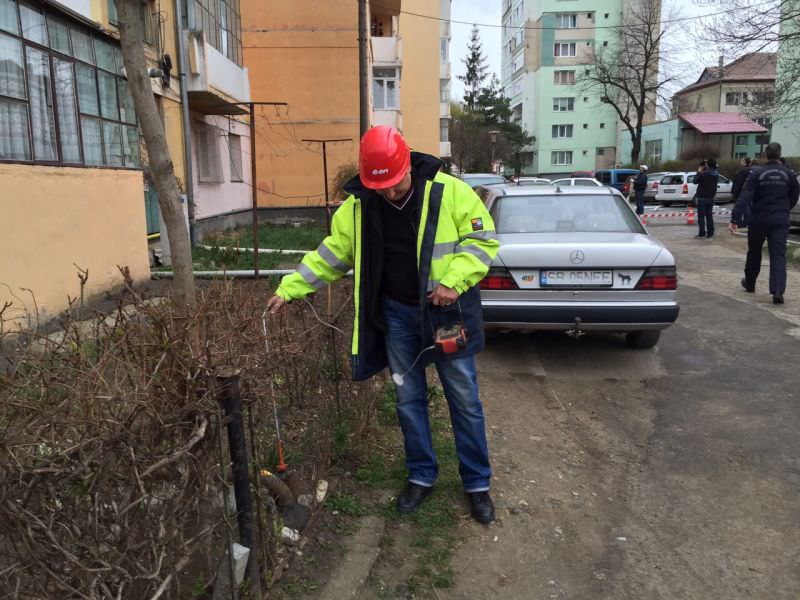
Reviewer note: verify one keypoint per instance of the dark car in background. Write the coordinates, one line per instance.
(615, 178)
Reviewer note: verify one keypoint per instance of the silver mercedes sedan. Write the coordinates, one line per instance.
(576, 259)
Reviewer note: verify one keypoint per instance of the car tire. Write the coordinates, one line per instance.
(643, 339)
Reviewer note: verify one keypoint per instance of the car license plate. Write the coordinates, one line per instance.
(668, 190)
(552, 278)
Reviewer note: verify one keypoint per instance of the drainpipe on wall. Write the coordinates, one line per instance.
(187, 137)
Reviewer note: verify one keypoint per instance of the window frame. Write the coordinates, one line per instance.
(52, 55)
(562, 131)
(567, 155)
(232, 164)
(396, 79)
(571, 18)
(573, 46)
(569, 101)
(561, 74)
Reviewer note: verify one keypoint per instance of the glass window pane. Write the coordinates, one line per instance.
(82, 46)
(130, 146)
(377, 94)
(92, 141)
(8, 16)
(391, 94)
(67, 115)
(127, 112)
(14, 144)
(87, 90)
(108, 96)
(41, 102)
(120, 64)
(105, 55)
(12, 73)
(59, 36)
(113, 144)
(33, 25)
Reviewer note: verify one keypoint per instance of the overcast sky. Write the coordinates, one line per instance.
(697, 54)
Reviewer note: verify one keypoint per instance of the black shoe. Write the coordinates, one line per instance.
(710, 235)
(747, 288)
(777, 299)
(411, 497)
(481, 507)
(700, 235)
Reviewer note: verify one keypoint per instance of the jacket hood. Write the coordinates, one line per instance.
(422, 165)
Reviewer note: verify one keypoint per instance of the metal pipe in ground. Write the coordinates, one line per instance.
(231, 400)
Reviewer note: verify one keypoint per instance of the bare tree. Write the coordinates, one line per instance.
(626, 72)
(769, 26)
(131, 33)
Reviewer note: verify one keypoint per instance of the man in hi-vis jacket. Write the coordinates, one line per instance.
(418, 241)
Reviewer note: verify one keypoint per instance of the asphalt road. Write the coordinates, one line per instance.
(644, 475)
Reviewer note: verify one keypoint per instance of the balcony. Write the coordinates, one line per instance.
(214, 81)
(392, 118)
(444, 150)
(444, 70)
(444, 110)
(387, 51)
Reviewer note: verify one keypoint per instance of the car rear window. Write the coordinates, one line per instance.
(555, 213)
(585, 183)
(672, 180)
(623, 177)
(487, 180)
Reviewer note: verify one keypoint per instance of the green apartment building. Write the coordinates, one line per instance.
(546, 45)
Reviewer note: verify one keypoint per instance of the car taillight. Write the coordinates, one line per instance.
(655, 185)
(658, 278)
(685, 188)
(498, 279)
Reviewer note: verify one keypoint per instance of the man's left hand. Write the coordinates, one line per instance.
(443, 296)
(732, 227)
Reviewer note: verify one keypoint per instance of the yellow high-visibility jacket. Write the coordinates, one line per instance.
(456, 242)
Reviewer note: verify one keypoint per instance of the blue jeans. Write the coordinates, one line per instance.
(459, 379)
(705, 216)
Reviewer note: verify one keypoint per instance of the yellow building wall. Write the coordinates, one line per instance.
(59, 217)
(304, 53)
(419, 83)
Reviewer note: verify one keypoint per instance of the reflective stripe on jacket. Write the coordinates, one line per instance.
(456, 243)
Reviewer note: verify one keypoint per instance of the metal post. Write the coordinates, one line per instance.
(183, 67)
(231, 401)
(362, 68)
(254, 185)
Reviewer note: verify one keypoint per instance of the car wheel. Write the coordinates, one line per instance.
(643, 339)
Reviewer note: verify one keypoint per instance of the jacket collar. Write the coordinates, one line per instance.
(423, 166)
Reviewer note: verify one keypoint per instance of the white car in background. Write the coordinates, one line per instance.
(578, 181)
(533, 181)
(680, 188)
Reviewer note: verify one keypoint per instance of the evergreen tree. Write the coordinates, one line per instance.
(476, 70)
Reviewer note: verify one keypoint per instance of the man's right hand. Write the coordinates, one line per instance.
(732, 227)
(274, 304)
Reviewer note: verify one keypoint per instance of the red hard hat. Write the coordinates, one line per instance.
(384, 158)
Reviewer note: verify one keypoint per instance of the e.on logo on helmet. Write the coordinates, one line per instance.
(380, 171)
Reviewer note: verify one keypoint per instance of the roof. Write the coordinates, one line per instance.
(756, 66)
(715, 122)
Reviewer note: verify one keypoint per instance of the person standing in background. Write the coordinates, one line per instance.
(707, 179)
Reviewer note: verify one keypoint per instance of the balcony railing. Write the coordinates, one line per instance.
(387, 50)
(392, 118)
(214, 80)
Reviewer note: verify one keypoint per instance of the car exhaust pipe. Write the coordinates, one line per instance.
(576, 331)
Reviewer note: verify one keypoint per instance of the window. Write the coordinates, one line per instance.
(564, 77)
(561, 158)
(562, 131)
(209, 168)
(563, 104)
(444, 130)
(56, 106)
(602, 125)
(564, 49)
(741, 140)
(566, 21)
(605, 43)
(586, 126)
(601, 151)
(444, 90)
(235, 148)
(444, 50)
(735, 98)
(761, 98)
(652, 151)
(518, 63)
(385, 94)
(762, 139)
(221, 25)
(764, 121)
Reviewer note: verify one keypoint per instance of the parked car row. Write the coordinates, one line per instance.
(682, 187)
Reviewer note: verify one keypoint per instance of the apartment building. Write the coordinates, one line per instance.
(72, 190)
(545, 45)
(305, 53)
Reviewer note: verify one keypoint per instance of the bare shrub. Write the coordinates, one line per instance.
(113, 457)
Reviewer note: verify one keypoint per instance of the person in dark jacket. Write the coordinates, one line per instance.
(741, 177)
(639, 186)
(770, 192)
(707, 178)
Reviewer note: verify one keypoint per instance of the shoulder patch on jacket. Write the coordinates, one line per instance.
(477, 224)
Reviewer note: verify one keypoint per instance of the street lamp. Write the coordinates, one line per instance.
(493, 140)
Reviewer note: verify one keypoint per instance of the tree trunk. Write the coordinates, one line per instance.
(636, 147)
(131, 33)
